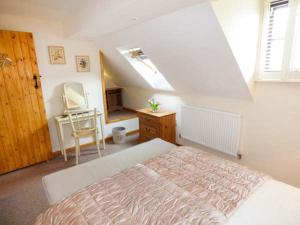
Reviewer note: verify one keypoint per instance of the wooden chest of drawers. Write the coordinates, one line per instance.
(157, 125)
(113, 99)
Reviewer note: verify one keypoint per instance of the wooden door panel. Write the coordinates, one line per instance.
(7, 140)
(30, 112)
(10, 92)
(40, 107)
(15, 90)
(24, 130)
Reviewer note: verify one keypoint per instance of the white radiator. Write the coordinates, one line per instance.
(215, 129)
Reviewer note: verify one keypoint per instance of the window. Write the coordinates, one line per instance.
(278, 19)
(144, 66)
(295, 65)
(281, 41)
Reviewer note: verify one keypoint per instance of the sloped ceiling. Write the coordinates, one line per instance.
(184, 39)
(188, 47)
(102, 17)
(240, 21)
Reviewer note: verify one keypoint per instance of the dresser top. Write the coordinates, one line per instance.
(65, 118)
(160, 113)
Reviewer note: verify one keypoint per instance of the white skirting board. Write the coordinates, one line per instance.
(215, 129)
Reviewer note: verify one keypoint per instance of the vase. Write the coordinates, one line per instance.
(154, 110)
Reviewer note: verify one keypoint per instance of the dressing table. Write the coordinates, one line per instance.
(74, 97)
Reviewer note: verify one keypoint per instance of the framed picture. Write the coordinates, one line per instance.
(83, 63)
(57, 54)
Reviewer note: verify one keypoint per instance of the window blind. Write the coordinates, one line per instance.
(276, 32)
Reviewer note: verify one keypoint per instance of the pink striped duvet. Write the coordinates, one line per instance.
(183, 186)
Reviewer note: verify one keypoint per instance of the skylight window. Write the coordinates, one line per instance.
(143, 65)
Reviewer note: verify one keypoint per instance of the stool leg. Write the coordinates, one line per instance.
(102, 132)
(65, 155)
(97, 144)
(77, 148)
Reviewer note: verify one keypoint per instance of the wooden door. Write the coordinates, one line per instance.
(24, 135)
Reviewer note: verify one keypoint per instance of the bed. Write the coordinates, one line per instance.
(159, 183)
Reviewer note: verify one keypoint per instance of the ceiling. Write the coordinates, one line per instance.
(41, 9)
(93, 18)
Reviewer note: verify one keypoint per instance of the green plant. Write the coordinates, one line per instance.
(153, 104)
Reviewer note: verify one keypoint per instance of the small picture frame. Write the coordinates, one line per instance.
(57, 55)
(83, 63)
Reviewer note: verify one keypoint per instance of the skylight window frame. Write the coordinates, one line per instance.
(148, 71)
(286, 74)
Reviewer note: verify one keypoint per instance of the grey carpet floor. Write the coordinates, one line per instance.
(22, 197)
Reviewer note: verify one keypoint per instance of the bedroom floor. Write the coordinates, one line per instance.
(21, 194)
(117, 115)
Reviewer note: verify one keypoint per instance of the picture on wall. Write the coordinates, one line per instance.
(57, 54)
(83, 63)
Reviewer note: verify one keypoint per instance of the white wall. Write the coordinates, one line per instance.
(240, 21)
(270, 139)
(47, 33)
(109, 83)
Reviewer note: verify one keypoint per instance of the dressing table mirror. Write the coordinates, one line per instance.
(74, 97)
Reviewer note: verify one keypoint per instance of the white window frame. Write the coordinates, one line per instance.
(147, 71)
(285, 75)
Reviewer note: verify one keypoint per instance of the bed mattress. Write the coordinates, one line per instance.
(270, 203)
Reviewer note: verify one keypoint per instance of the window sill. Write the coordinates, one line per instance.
(278, 81)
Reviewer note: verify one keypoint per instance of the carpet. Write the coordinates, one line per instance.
(22, 196)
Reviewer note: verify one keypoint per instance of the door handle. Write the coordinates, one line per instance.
(35, 78)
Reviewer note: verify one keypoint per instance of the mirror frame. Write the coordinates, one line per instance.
(65, 100)
(108, 121)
